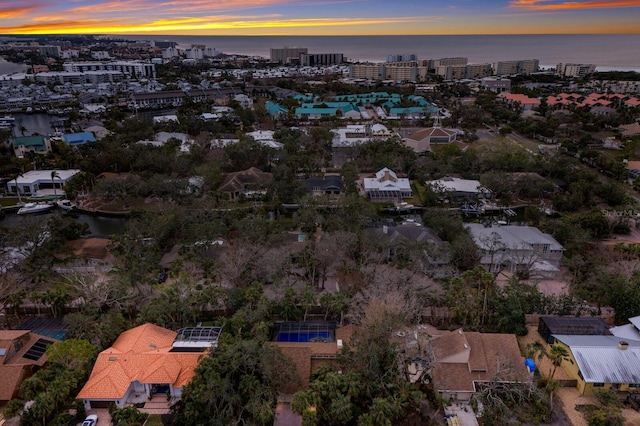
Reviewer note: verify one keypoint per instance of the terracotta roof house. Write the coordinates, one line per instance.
(309, 345)
(463, 361)
(20, 353)
(248, 182)
(526, 102)
(630, 130)
(145, 360)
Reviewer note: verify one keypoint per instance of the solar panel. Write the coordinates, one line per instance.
(37, 350)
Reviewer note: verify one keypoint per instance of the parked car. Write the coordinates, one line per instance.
(91, 420)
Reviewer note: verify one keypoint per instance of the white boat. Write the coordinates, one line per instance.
(66, 205)
(31, 208)
(7, 122)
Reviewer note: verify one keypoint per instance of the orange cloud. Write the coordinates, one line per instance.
(568, 5)
(14, 12)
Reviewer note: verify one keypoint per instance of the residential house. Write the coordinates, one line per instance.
(519, 249)
(573, 326)
(456, 189)
(38, 144)
(21, 354)
(465, 361)
(309, 345)
(627, 331)
(402, 239)
(524, 101)
(33, 181)
(81, 138)
(385, 186)
(249, 183)
(630, 130)
(324, 185)
(601, 362)
(147, 360)
(422, 140)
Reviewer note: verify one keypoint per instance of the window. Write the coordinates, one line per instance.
(598, 385)
(634, 385)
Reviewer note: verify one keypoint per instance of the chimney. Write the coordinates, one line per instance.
(622, 345)
(385, 229)
(339, 343)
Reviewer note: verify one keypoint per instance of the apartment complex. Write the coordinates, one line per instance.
(432, 64)
(526, 66)
(402, 57)
(286, 55)
(131, 68)
(317, 59)
(575, 70)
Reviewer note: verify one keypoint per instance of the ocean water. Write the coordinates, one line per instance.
(608, 52)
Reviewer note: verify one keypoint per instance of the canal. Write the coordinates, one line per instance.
(99, 226)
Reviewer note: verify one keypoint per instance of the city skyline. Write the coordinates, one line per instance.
(318, 17)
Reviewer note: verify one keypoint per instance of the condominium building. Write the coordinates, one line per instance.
(366, 71)
(433, 64)
(477, 71)
(131, 68)
(452, 72)
(575, 70)
(401, 71)
(402, 57)
(315, 59)
(526, 66)
(287, 55)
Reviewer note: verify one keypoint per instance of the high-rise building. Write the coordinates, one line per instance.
(575, 70)
(433, 64)
(526, 66)
(366, 71)
(286, 55)
(402, 57)
(316, 59)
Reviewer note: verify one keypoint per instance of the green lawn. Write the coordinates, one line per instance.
(8, 201)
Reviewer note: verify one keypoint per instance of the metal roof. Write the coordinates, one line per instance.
(601, 360)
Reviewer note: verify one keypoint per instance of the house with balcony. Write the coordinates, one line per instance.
(386, 187)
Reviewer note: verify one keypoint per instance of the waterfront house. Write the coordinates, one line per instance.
(75, 139)
(386, 187)
(37, 144)
(249, 183)
(33, 181)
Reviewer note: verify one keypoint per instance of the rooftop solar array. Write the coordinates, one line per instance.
(37, 350)
(324, 331)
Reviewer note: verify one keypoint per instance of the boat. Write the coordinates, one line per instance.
(66, 205)
(31, 208)
(7, 122)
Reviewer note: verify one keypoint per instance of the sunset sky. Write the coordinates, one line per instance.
(318, 17)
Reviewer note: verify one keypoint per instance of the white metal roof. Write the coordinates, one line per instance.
(600, 360)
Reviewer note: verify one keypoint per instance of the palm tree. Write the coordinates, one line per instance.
(556, 354)
(54, 175)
